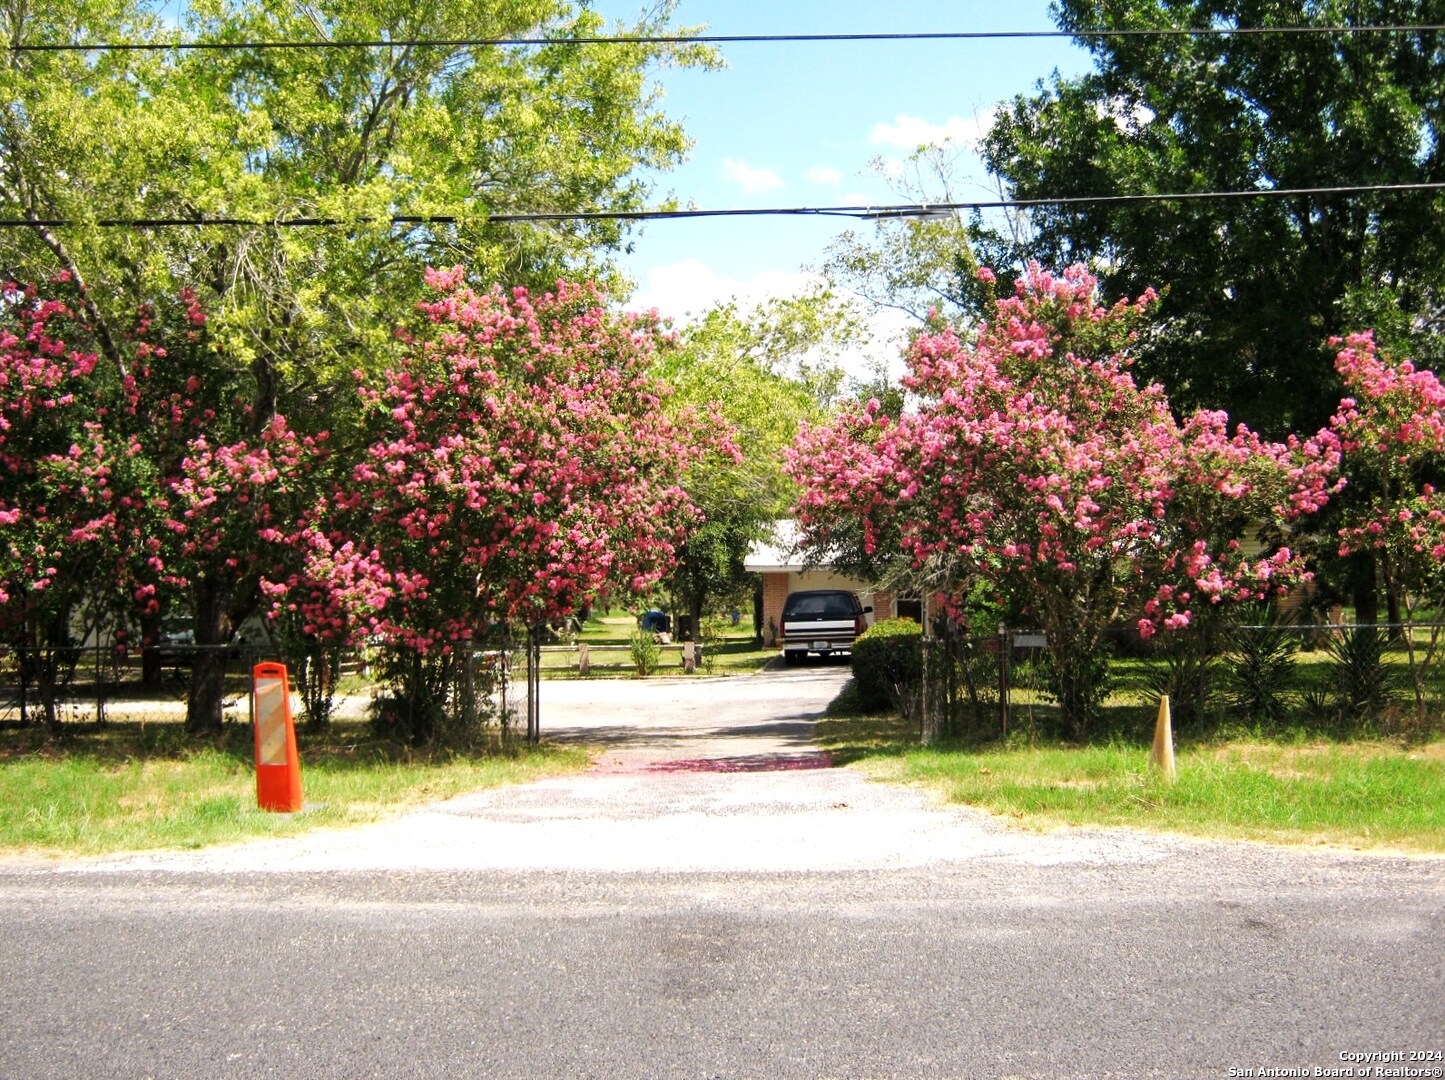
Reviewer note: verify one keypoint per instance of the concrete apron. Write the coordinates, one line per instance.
(761, 723)
(713, 775)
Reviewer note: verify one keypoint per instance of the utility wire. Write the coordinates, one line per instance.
(860, 213)
(717, 39)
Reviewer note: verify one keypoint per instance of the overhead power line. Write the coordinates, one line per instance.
(717, 39)
(860, 213)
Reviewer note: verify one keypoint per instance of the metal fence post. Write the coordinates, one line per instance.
(928, 726)
(100, 671)
(504, 659)
(1003, 651)
(534, 684)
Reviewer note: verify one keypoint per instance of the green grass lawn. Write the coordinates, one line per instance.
(736, 653)
(1368, 794)
(130, 787)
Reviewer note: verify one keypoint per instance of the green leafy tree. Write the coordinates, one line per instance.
(921, 266)
(762, 374)
(1257, 284)
(89, 135)
(352, 135)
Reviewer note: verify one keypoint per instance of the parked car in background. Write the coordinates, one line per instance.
(821, 622)
(175, 646)
(655, 622)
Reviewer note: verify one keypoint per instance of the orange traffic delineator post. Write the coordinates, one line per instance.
(278, 767)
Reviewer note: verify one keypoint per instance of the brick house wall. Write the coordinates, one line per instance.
(782, 572)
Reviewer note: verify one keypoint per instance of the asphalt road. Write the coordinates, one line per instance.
(711, 901)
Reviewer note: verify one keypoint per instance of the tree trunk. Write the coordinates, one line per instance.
(46, 637)
(150, 658)
(1392, 595)
(694, 610)
(46, 669)
(1366, 594)
(208, 665)
(1079, 676)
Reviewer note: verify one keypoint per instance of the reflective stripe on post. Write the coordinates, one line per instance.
(278, 767)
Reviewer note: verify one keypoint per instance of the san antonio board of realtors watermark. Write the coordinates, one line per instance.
(1358, 1063)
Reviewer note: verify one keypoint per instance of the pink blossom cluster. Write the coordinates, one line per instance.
(1044, 469)
(515, 465)
(44, 524)
(1391, 427)
(518, 463)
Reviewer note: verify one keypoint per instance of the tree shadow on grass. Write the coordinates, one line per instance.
(852, 738)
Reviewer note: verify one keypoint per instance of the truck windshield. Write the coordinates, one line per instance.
(833, 607)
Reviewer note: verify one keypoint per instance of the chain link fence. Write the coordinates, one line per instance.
(76, 684)
(1338, 680)
(405, 694)
(1333, 679)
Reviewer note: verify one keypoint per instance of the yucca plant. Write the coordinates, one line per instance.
(1362, 683)
(645, 652)
(1259, 668)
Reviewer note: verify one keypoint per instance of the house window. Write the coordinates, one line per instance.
(908, 609)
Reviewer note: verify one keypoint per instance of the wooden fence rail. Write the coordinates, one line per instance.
(689, 653)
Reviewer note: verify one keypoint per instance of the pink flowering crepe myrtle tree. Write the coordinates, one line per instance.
(1035, 464)
(225, 481)
(516, 465)
(46, 394)
(1391, 431)
(117, 482)
(57, 499)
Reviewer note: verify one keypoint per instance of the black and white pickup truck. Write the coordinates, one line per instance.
(822, 621)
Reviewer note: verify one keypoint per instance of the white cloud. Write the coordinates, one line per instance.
(690, 287)
(686, 290)
(825, 174)
(749, 178)
(910, 132)
(1126, 116)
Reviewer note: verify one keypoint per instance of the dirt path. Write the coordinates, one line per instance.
(759, 723)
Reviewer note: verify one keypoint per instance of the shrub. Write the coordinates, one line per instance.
(714, 634)
(646, 653)
(1259, 668)
(888, 664)
(1362, 683)
(1187, 671)
(848, 702)
(413, 708)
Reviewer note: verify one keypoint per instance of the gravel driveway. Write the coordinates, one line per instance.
(710, 774)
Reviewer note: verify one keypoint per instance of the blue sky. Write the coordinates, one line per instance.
(797, 124)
